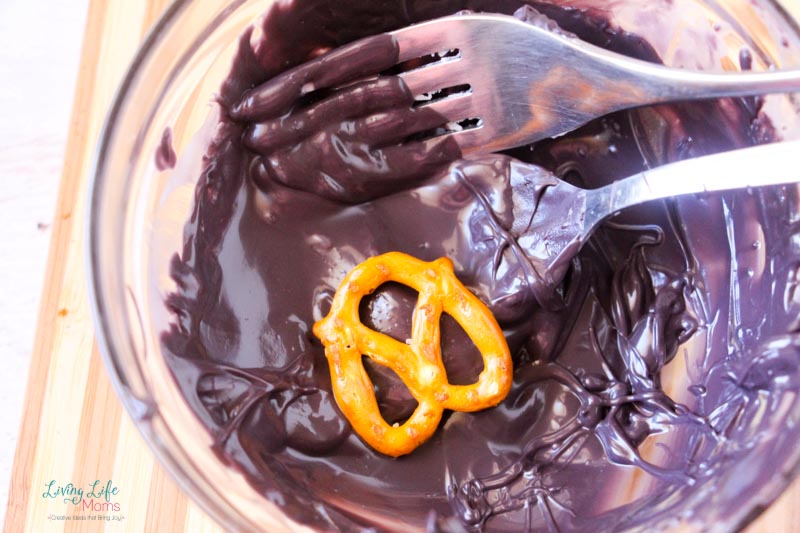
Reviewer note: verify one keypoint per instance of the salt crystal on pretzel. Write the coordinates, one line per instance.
(418, 362)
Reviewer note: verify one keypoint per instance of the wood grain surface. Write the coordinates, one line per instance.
(33, 141)
(74, 429)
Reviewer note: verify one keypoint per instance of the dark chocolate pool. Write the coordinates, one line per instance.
(654, 383)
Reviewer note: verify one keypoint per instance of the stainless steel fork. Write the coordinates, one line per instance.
(526, 83)
(584, 209)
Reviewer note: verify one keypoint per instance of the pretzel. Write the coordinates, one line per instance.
(417, 362)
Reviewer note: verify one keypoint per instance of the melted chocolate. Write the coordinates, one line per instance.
(650, 369)
(165, 153)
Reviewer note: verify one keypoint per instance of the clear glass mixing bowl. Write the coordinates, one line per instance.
(137, 215)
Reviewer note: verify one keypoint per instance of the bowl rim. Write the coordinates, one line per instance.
(98, 303)
(184, 476)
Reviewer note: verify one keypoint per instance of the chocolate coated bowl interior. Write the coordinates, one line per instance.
(659, 381)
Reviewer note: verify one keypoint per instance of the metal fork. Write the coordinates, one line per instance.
(526, 83)
(583, 210)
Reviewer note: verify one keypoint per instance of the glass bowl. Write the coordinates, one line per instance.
(138, 212)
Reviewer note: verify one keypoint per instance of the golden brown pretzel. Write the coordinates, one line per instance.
(419, 362)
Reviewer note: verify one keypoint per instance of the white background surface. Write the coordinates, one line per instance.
(40, 44)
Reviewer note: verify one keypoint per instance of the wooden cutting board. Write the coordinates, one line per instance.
(74, 429)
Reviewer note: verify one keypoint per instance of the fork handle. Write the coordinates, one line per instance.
(758, 166)
(699, 85)
(650, 83)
